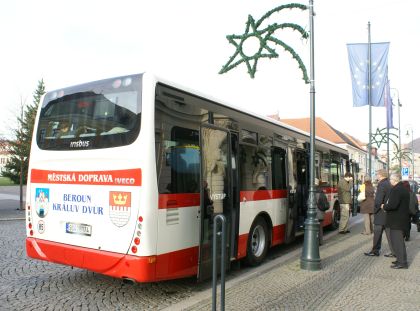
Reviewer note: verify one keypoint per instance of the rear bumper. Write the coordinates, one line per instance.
(140, 269)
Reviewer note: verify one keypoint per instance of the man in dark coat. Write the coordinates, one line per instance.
(382, 192)
(397, 218)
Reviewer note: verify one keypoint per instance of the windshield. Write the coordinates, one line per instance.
(95, 115)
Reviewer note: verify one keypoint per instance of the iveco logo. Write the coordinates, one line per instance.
(79, 144)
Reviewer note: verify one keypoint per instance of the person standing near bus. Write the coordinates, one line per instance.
(397, 219)
(322, 205)
(367, 206)
(344, 198)
(379, 216)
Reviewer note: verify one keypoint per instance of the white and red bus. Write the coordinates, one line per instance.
(126, 175)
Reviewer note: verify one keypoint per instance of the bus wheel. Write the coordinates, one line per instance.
(335, 217)
(257, 242)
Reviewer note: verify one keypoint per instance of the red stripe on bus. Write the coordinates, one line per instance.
(329, 189)
(327, 219)
(130, 177)
(178, 264)
(259, 195)
(177, 200)
(242, 245)
(278, 234)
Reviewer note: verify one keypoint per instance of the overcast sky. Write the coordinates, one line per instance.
(71, 42)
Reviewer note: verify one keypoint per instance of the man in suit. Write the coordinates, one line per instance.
(397, 209)
(382, 192)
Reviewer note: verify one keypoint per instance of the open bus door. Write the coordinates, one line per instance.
(216, 194)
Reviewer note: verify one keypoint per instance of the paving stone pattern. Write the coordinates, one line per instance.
(29, 284)
(349, 280)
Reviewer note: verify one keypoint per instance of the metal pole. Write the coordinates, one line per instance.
(369, 172)
(387, 149)
(222, 264)
(412, 151)
(310, 259)
(21, 205)
(399, 131)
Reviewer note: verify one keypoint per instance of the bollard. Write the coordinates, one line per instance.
(222, 264)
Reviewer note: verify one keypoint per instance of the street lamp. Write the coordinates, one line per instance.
(310, 259)
(407, 134)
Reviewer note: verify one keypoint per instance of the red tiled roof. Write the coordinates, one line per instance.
(325, 130)
(322, 128)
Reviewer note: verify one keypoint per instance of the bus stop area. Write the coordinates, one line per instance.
(348, 280)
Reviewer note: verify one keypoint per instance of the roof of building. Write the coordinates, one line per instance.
(326, 131)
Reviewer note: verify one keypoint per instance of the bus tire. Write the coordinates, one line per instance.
(335, 217)
(258, 240)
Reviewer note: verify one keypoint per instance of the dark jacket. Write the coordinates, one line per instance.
(397, 214)
(368, 205)
(382, 193)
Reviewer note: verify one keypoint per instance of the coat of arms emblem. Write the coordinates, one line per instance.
(119, 207)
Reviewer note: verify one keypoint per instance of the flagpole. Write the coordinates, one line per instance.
(387, 149)
(388, 105)
(369, 172)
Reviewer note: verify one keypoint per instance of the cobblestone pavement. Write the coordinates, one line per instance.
(348, 281)
(28, 284)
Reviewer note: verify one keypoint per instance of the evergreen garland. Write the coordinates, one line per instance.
(264, 36)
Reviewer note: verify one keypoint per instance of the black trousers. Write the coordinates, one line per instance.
(377, 238)
(398, 244)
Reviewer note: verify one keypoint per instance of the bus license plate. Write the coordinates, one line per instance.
(82, 229)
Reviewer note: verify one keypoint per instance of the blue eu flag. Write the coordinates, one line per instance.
(359, 67)
(388, 104)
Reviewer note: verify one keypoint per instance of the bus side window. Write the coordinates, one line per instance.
(255, 168)
(279, 168)
(180, 167)
(334, 174)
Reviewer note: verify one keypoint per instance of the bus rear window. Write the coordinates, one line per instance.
(96, 115)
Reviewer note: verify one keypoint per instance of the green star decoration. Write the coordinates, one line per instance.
(381, 136)
(238, 41)
(264, 37)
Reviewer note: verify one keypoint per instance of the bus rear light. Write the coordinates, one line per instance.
(141, 219)
(139, 226)
(137, 241)
(134, 249)
(31, 232)
(30, 226)
(138, 233)
(29, 207)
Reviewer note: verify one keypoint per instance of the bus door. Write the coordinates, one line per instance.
(216, 194)
(302, 189)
